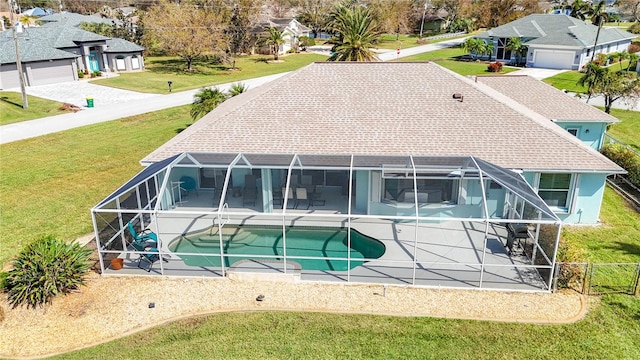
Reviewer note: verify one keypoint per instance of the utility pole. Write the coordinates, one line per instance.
(23, 90)
(424, 13)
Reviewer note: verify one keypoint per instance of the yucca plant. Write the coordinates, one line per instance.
(44, 269)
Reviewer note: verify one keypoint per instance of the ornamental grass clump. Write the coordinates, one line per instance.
(44, 269)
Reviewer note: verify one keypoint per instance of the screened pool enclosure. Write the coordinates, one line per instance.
(409, 220)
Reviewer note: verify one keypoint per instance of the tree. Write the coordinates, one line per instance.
(488, 49)
(185, 30)
(516, 46)
(355, 33)
(492, 13)
(629, 7)
(475, 47)
(611, 85)
(103, 29)
(205, 100)
(314, 14)
(243, 13)
(633, 60)
(579, 9)
(622, 56)
(394, 15)
(598, 13)
(274, 40)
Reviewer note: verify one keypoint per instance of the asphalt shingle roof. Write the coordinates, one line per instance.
(385, 109)
(557, 30)
(36, 44)
(545, 99)
(117, 45)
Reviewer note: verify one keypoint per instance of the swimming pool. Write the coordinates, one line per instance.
(244, 242)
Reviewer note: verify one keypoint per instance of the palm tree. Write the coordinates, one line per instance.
(515, 45)
(275, 39)
(579, 9)
(622, 56)
(633, 60)
(598, 17)
(488, 49)
(475, 47)
(593, 76)
(237, 89)
(356, 33)
(205, 100)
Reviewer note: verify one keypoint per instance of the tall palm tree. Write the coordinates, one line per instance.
(356, 33)
(488, 49)
(598, 16)
(475, 47)
(275, 39)
(205, 100)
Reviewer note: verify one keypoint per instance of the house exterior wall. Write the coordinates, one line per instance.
(581, 56)
(119, 62)
(591, 133)
(586, 197)
(50, 72)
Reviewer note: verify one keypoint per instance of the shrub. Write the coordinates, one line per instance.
(80, 74)
(96, 73)
(44, 269)
(626, 158)
(634, 48)
(635, 28)
(306, 41)
(495, 67)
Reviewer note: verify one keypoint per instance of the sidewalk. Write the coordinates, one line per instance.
(140, 104)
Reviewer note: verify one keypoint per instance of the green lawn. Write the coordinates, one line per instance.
(628, 129)
(448, 58)
(567, 80)
(11, 110)
(610, 331)
(49, 183)
(160, 70)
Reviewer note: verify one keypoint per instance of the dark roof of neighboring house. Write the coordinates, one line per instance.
(43, 43)
(557, 30)
(117, 45)
(73, 19)
(545, 99)
(385, 109)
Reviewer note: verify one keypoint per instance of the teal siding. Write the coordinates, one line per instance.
(585, 208)
(591, 133)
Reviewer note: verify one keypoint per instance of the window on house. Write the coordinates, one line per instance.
(120, 65)
(135, 62)
(588, 52)
(555, 190)
(430, 190)
(573, 131)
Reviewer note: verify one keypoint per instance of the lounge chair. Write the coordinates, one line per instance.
(152, 254)
(301, 194)
(146, 236)
(250, 195)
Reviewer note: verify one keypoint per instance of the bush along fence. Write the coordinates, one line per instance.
(625, 156)
(597, 278)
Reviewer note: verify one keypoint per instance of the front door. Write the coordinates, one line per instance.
(93, 61)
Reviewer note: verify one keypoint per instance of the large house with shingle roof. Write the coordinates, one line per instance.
(441, 171)
(56, 51)
(556, 41)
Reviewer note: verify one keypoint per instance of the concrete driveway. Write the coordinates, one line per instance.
(537, 73)
(76, 93)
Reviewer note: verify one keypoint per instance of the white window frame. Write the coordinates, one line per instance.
(569, 207)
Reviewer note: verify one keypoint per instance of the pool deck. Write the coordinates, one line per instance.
(448, 253)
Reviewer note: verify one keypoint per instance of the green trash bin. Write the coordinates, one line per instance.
(90, 102)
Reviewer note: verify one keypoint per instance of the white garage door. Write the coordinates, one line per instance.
(51, 72)
(9, 76)
(553, 59)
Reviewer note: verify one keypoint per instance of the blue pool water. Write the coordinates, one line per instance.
(241, 242)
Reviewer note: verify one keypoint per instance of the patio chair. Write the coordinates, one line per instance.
(146, 236)
(290, 196)
(152, 255)
(314, 197)
(188, 184)
(301, 194)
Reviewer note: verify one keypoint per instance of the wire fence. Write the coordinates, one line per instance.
(598, 278)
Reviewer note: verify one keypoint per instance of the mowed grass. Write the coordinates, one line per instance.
(567, 80)
(610, 331)
(49, 183)
(628, 129)
(160, 70)
(11, 110)
(448, 58)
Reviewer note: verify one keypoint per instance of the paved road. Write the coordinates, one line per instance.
(109, 104)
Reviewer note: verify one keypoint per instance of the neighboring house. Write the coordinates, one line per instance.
(56, 51)
(556, 41)
(428, 163)
(291, 30)
(436, 21)
(73, 19)
(584, 121)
